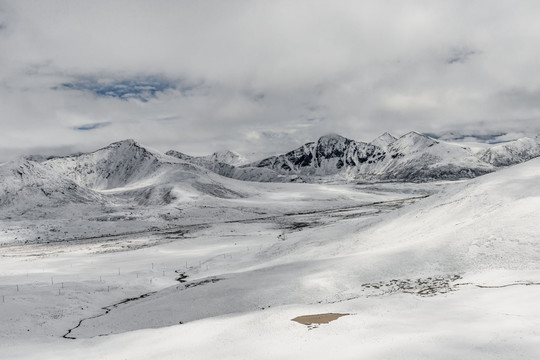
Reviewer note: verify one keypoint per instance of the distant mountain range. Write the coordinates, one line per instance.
(126, 170)
(412, 157)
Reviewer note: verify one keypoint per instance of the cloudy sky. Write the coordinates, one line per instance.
(262, 76)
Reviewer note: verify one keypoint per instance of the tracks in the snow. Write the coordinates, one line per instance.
(107, 310)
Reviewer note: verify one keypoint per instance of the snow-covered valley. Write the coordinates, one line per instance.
(169, 260)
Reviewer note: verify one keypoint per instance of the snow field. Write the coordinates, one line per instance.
(472, 323)
(451, 276)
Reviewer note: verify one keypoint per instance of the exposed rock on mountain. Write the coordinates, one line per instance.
(330, 155)
(412, 157)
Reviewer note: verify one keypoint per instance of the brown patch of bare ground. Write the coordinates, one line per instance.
(312, 321)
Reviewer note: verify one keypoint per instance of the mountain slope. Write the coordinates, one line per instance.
(417, 157)
(113, 166)
(28, 184)
(513, 152)
(492, 221)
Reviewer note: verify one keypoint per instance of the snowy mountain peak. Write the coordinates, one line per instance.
(125, 142)
(332, 145)
(418, 136)
(384, 140)
(332, 137)
(115, 165)
(121, 144)
(226, 157)
(413, 141)
(127, 148)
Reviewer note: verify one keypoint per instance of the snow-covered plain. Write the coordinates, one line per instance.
(452, 275)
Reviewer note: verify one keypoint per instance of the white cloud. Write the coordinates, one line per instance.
(300, 69)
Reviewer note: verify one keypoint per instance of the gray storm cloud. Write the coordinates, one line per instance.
(259, 76)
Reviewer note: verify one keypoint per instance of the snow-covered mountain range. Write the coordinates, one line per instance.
(129, 170)
(412, 157)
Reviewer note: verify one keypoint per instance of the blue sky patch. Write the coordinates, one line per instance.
(141, 88)
(88, 127)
